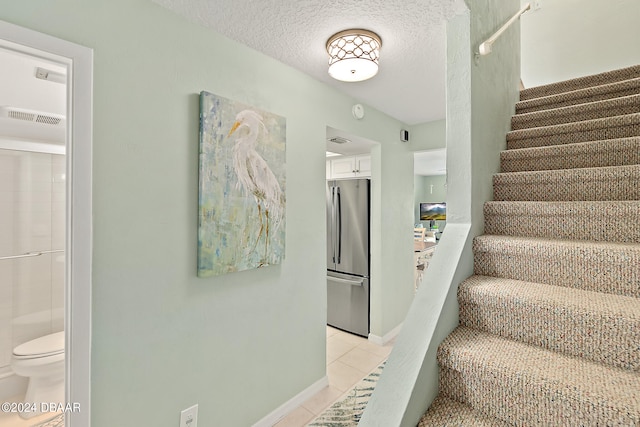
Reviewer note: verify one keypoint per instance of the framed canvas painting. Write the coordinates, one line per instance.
(242, 179)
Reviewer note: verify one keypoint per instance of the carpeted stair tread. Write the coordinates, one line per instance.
(609, 152)
(606, 183)
(527, 385)
(597, 326)
(589, 130)
(576, 113)
(592, 266)
(549, 329)
(445, 412)
(612, 221)
(580, 96)
(581, 82)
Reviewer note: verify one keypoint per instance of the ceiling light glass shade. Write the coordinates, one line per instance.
(353, 55)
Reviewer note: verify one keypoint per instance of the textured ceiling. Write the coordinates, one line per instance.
(410, 85)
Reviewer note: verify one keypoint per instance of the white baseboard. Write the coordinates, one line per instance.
(293, 403)
(387, 337)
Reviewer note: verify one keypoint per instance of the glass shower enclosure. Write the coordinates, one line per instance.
(32, 238)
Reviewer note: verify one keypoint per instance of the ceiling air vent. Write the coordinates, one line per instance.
(31, 116)
(49, 120)
(339, 140)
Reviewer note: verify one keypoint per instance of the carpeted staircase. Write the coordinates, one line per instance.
(549, 329)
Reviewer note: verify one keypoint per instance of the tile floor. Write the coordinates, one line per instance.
(350, 358)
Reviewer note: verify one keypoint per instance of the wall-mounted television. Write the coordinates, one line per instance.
(433, 211)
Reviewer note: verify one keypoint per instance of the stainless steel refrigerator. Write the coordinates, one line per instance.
(348, 255)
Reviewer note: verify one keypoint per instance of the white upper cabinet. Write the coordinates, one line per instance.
(349, 167)
(363, 166)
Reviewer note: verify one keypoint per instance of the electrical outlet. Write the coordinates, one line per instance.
(189, 417)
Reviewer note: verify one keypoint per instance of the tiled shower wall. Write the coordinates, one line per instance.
(32, 219)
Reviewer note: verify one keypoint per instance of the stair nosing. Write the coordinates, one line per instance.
(543, 240)
(577, 203)
(567, 171)
(463, 411)
(534, 372)
(576, 94)
(514, 152)
(567, 111)
(573, 127)
(588, 297)
(582, 82)
(613, 318)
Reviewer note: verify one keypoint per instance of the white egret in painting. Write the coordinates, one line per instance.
(254, 175)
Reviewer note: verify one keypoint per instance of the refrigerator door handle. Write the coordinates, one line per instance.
(333, 223)
(339, 210)
(358, 282)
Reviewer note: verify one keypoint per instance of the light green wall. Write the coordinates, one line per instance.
(423, 137)
(428, 136)
(565, 39)
(423, 193)
(242, 344)
(391, 236)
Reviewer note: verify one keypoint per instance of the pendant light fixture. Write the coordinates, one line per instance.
(353, 55)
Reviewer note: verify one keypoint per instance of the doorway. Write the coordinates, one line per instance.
(75, 64)
(430, 197)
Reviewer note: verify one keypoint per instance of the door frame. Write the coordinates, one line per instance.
(78, 240)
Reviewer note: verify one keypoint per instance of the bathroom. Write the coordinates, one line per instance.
(32, 215)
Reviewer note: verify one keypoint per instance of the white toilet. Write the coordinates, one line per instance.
(42, 361)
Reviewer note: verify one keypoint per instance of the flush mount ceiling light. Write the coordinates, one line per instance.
(353, 55)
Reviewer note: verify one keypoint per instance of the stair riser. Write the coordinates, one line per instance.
(602, 337)
(581, 83)
(565, 220)
(528, 385)
(516, 141)
(598, 184)
(521, 402)
(448, 412)
(542, 104)
(614, 152)
(613, 271)
(619, 107)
